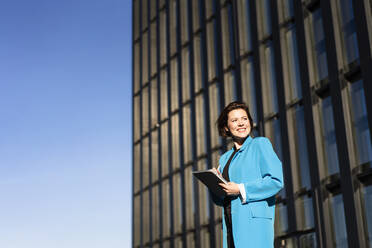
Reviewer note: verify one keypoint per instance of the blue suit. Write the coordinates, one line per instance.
(258, 168)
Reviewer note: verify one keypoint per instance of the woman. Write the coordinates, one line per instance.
(255, 175)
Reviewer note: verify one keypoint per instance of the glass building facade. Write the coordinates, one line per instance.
(304, 67)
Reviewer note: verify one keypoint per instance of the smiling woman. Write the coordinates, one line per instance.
(254, 173)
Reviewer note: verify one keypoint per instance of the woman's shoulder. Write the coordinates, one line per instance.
(261, 141)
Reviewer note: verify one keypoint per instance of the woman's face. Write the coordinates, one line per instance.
(238, 123)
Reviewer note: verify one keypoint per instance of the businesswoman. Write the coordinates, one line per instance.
(255, 175)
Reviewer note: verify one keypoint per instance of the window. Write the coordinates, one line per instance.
(154, 49)
(154, 102)
(281, 219)
(174, 84)
(245, 42)
(145, 217)
(200, 125)
(329, 145)
(177, 204)
(185, 74)
(187, 134)
(165, 208)
(272, 131)
(338, 221)
(190, 196)
(361, 133)
(203, 197)
(227, 39)
(197, 64)
(348, 29)
(136, 20)
(214, 112)
(318, 49)
(230, 87)
(137, 220)
(367, 196)
(264, 17)
(163, 95)
(164, 149)
(137, 168)
(184, 21)
(154, 156)
(145, 162)
(269, 81)
(144, 8)
(137, 67)
(137, 117)
(211, 50)
(175, 142)
(145, 110)
(292, 75)
(298, 148)
(163, 38)
(145, 58)
(173, 26)
(304, 212)
(249, 86)
(286, 10)
(195, 15)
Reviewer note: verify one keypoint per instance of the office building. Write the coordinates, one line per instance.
(305, 70)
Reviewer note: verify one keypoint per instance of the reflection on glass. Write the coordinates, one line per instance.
(304, 212)
(308, 240)
(338, 221)
(288, 9)
(269, 82)
(362, 137)
(272, 131)
(348, 30)
(281, 219)
(248, 87)
(298, 147)
(293, 65)
(329, 137)
(367, 193)
(318, 45)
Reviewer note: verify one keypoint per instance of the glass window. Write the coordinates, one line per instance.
(361, 133)
(245, 42)
(211, 50)
(187, 152)
(145, 162)
(197, 64)
(184, 21)
(137, 220)
(174, 84)
(173, 26)
(249, 86)
(154, 156)
(272, 131)
(154, 102)
(347, 22)
(163, 38)
(145, 58)
(136, 19)
(152, 9)
(145, 217)
(200, 125)
(281, 219)
(153, 45)
(298, 148)
(145, 110)
(177, 204)
(164, 149)
(175, 142)
(214, 112)
(264, 20)
(368, 11)
(189, 195)
(204, 238)
(269, 81)
(338, 221)
(308, 240)
(185, 74)
(144, 9)
(227, 37)
(209, 9)
(286, 10)
(203, 197)
(292, 75)
(137, 117)
(304, 212)
(230, 87)
(367, 195)
(163, 95)
(218, 231)
(165, 208)
(191, 240)
(318, 45)
(137, 168)
(330, 153)
(137, 67)
(195, 14)
(155, 212)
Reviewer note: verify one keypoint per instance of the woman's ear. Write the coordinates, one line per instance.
(227, 129)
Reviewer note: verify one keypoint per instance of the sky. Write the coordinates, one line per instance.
(65, 123)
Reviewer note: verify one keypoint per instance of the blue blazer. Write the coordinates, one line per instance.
(258, 168)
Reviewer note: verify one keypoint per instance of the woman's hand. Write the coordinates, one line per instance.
(230, 188)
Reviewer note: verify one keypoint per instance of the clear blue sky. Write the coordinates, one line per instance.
(65, 123)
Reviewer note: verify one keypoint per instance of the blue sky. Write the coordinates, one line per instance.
(65, 123)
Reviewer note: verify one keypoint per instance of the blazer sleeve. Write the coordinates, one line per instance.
(271, 180)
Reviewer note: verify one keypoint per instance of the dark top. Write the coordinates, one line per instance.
(227, 204)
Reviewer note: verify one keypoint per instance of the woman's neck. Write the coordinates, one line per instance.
(238, 141)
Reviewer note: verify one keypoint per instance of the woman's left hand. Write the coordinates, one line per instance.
(230, 188)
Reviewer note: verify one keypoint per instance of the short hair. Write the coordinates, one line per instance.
(222, 119)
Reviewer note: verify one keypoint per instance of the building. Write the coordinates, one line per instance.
(304, 68)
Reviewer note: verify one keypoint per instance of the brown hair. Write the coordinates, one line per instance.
(222, 119)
